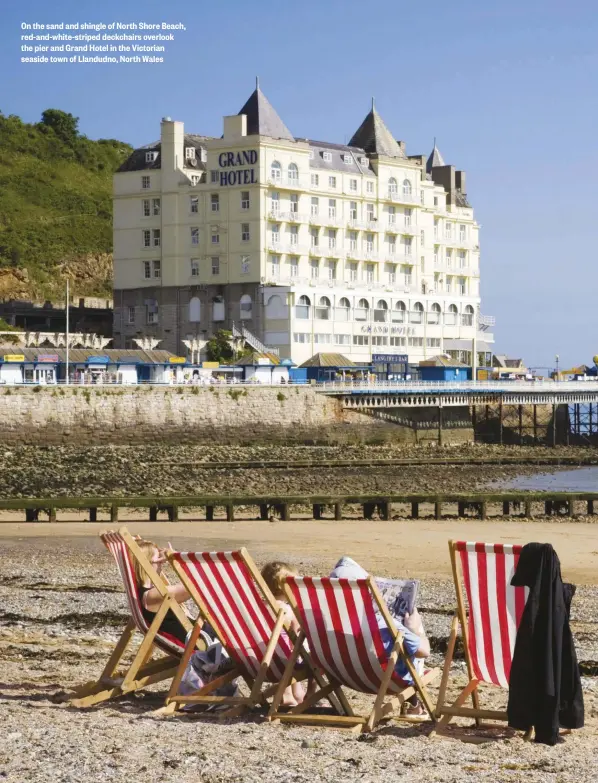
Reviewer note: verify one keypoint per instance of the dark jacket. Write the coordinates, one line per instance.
(544, 686)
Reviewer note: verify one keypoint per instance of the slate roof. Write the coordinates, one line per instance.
(251, 360)
(262, 119)
(442, 361)
(435, 159)
(374, 137)
(337, 161)
(328, 360)
(136, 160)
(80, 355)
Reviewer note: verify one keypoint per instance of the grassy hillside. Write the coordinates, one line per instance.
(55, 207)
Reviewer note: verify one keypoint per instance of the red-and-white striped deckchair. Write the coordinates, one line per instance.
(489, 629)
(142, 671)
(339, 621)
(234, 599)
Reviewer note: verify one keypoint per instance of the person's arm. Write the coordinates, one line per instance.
(414, 624)
(152, 598)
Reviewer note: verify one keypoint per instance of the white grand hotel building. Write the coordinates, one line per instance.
(308, 246)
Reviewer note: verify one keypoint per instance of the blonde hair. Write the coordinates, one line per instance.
(274, 574)
(147, 547)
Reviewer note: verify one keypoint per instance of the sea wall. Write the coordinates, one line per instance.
(129, 415)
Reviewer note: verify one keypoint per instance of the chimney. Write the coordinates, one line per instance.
(461, 182)
(172, 150)
(235, 127)
(402, 145)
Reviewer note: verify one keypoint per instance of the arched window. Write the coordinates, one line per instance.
(407, 189)
(302, 309)
(392, 187)
(361, 311)
(398, 314)
(275, 307)
(469, 309)
(467, 317)
(276, 171)
(417, 314)
(246, 307)
(381, 311)
(343, 309)
(434, 314)
(453, 309)
(218, 308)
(450, 319)
(195, 310)
(323, 308)
(293, 172)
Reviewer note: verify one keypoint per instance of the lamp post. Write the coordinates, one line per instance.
(558, 377)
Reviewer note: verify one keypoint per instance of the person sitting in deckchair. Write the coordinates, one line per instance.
(273, 575)
(151, 599)
(415, 641)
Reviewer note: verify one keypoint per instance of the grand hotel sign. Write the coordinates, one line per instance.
(403, 331)
(237, 167)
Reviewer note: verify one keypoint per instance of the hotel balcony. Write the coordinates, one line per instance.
(286, 183)
(401, 198)
(326, 220)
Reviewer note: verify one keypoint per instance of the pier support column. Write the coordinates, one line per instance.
(173, 513)
(338, 511)
(384, 511)
(114, 514)
(506, 508)
(461, 509)
(535, 414)
(209, 513)
(51, 515)
(440, 425)
(285, 514)
(521, 425)
(230, 513)
(528, 509)
(554, 423)
(590, 507)
(438, 509)
(474, 422)
(153, 513)
(548, 509)
(500, 423)
(317, 511)
(415, 510)
(264, 511)
(483, 510)
(571, 509)
(31, 515)
(93, 515)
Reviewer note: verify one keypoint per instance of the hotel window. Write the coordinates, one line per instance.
(422, 197)
(245, 232)
(369, 242)
(353, 241)
(353, 185)
(352, 210)
(214, 176)
(369, 209)
(391, 273)
(315, 237)
(315, 205)
(156, 207)
(342, 339)
(146, 207)
(275, 202)
(215, 265)
(194, 236)
(370, 273)
(436, 225)
(327, 156)
(416, 342)
(189, 153)
(392, 187)
(145, 183)
(245, 265)
(294, 235)
(369, 186)
(422, 238)
(195, 267)
(449, 257)
(331, 268)
(215, 231)
(276, 171)
(448, 230)
(151, 238)
(379, 340)
(215, 202)
(347, 159)
(322, 338)
(314, 268)
(406, 272)
(436, 255)
(408, 216)
(449, 284)
(245, 307)
(361, 339)
(462, 259)
(293, 173)
(433, 342)
(294, 265)
(147, 270)
(157, 268)
(311, 154)
(275, 267)
(462, 233)
(315, 180)
(195, 179)
(275, 233)
(332, 207)
(302, 337)
(152, 313)
(392, 216)
(244, 199)
(351, 270)
(194, 204)
(332, 182)
(331, 238)
(462, 286)
(434, 314)
(407, 189)
(408, 242)
(399, 313)
(392, 244)
(435, 201)
(397, 342)
(130, 315)
(294, 203)
(364, 162)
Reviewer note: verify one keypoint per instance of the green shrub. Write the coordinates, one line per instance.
(280, 397)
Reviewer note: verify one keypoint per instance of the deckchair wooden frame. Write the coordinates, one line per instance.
(381, 710)
(142, 671)
(445, 713)
(259, 695)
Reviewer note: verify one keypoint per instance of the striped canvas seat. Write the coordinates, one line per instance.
(118, 548)
(341, 626)
(242, 616)
(495, 607)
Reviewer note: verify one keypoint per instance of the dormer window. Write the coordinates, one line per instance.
(189, 153)
(150, 157)
(203, 154)
(364, 161)
(327, 156)
(347, 159)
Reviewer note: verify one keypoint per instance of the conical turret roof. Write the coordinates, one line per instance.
(262, 119)
(374, 137)
(435, 159)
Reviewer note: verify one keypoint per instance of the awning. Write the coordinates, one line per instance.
(466, 345)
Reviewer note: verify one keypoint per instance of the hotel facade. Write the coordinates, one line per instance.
(298, 245)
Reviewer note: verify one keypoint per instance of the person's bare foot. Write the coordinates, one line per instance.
(288, 701)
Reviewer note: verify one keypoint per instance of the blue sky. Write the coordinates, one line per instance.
(508, 89)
